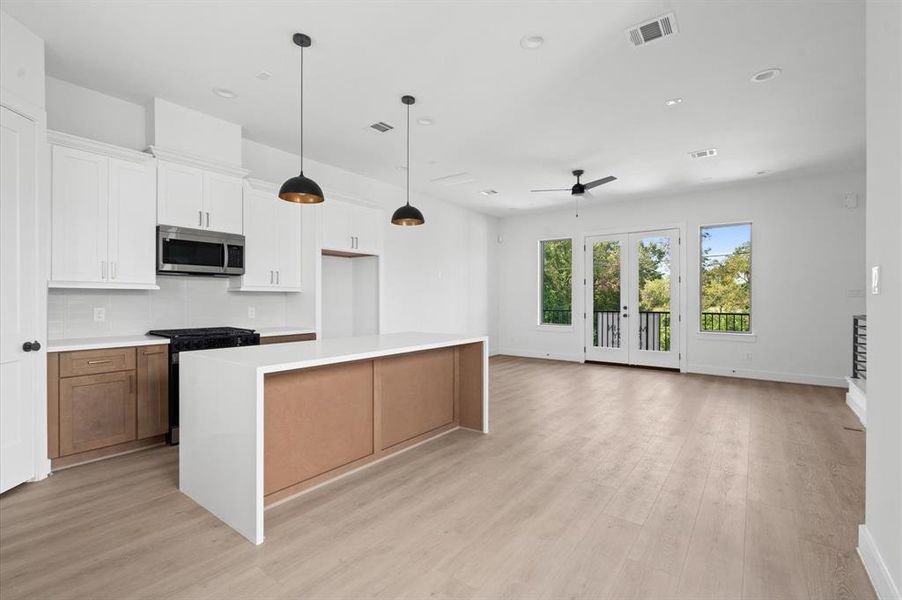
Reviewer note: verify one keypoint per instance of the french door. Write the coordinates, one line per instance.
(632, 298)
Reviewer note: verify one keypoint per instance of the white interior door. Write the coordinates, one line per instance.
(18, 299)
(632, 298)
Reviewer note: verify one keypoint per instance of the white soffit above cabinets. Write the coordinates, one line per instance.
(512, 118)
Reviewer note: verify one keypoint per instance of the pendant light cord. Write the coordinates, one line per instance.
(302, 110)
(408, 155)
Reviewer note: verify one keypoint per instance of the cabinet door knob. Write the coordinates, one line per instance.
(31, 346)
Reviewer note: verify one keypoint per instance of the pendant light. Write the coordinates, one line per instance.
(408, 215)
(300, 189)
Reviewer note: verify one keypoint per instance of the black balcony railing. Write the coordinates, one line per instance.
(726, 321)
(556, 317)
(859, 347)
(654, 329)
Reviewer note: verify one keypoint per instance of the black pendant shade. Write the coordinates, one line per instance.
(300, 189)
(408, 215)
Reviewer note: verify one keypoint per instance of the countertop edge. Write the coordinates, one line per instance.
(77, 344)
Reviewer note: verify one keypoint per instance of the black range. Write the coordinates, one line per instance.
(201, 338)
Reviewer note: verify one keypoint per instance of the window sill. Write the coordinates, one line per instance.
(726, 336)
(554, 328)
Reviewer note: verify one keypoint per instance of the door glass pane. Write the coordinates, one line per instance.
(654, 294)
(606, 300)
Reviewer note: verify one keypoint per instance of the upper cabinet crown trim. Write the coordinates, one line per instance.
(58, 138)
(197, 161)
(258, 185)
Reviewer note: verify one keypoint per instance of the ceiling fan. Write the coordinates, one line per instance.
(579, 188)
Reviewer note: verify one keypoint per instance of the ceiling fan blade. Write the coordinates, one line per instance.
(552, 190)
(599, 182)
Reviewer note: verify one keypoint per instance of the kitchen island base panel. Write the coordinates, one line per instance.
(324, 421)
(330, 406)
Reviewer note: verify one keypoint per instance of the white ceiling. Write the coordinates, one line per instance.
(515, 119)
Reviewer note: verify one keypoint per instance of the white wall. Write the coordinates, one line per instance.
(86, 113)
(807, 259)
(880, 541)
(436, 277)
(21, 62)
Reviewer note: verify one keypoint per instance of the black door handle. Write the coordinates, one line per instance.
(31, 346)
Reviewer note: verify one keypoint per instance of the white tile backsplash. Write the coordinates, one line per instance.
(180, 302)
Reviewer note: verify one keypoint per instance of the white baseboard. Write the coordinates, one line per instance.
(767, 375)
(875, 566)
(856, 399)
(545, 355)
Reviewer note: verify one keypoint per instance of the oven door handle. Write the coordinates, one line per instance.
(225, 257)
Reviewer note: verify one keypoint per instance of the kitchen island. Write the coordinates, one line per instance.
(260, 424)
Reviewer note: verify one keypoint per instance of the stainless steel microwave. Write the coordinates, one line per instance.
(199, 252)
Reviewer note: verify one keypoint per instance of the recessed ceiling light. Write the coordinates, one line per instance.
(264, 75)
(224, 93)
(531, 42)
(766, 75)
(425, 121)
(762, 172)
(672, 101)
(488, 192)
(704, 153)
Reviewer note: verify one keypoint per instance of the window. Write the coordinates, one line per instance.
(556, 261)
(726, 278)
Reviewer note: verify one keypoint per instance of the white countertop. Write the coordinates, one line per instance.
(301, 355)
(120, 341)
(139, 339)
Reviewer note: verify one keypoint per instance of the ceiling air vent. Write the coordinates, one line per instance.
(652, 30)
(381, 127)
(704, 153)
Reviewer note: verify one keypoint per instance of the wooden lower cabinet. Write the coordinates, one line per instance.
(96, 411)
(153, 390)
(123, 404)
(282, 339)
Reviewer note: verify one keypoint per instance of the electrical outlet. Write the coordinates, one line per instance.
(748, 356)
(99, 313)
(251, 312)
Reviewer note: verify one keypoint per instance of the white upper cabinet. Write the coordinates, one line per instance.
(351, 228)
(272, 238)
(222, 202)
(180, 195)
(79, 219)
(189, 196)
(132, 245)
(103, 215)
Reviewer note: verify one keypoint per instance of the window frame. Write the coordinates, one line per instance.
(744, 335)
(540, 280)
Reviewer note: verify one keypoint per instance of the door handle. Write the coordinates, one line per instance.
(272, 277)
(200, 218)
(278, 277)
(103, 269)
(31, 346)
(113, 270)
(208, 219)
(225, 250)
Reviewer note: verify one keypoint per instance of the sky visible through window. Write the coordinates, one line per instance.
(725, 239)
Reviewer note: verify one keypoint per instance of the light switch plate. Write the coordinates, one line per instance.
(251, 312)
(99, 314)
(875, 279)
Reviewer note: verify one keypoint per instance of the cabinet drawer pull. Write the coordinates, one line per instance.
(99, 362)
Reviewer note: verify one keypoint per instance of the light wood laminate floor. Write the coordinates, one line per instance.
(596, 482)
